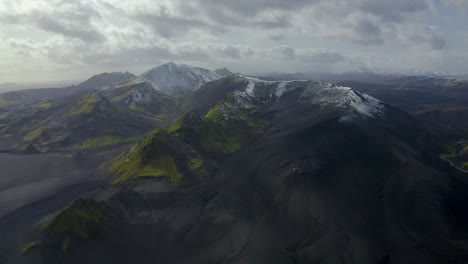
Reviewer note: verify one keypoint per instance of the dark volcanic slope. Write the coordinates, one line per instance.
(335, 177)
(32, 186)
(443, 104)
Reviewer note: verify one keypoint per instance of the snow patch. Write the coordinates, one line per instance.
(280, 90)
(179, 79)
(353, 103)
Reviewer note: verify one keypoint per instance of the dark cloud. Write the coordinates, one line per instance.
(394, 10)
(367, 22)
(192, 53)
(50, 24)
(70, 19)
(254, 7)
(285, 52)
(426, 35)
(130, 56)
(230, 52)
(323, 58)
(167, 25)
(367, 33)
(277, 37)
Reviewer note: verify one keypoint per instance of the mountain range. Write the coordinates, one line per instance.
(212, 167)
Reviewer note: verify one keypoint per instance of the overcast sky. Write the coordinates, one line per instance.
(72, 39)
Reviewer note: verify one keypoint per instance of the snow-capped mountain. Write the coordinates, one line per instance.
(178, 79)
(224, 71)
(353, 103)
(105, 80)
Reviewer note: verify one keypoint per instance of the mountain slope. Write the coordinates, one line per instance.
(104, 80)
(178, 79)
(143, 98)
(274, 172)
(224, 72)
(85, 120)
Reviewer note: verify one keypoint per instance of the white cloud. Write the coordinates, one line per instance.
(250, 35)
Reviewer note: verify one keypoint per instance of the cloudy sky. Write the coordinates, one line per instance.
(72, 39)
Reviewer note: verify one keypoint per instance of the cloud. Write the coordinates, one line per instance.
(251, 34)
(73, 19)
(394, 11)
(284, 52)
(424, 34)
(323, 58)
(230, 52)
(168, 25)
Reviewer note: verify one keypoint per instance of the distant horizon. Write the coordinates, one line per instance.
(57, 82)
(56, 40)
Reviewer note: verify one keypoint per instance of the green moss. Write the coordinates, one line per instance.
(84, 105)
(195, 163)
(99, 142)
(4, 115)
(33, 135)
(176, 125)
(448, 151)
(121, 96)
(80, 219)
(3, 102)
(25, 126)
(464, 149)
(28, 246)
(178, 149)
(224, 137)
(214, 113)
(45, 105)
(150, 158)
(465, 165)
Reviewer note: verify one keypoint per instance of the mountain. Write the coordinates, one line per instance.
(143, 98)
(81, 121)
(366, 76)
(224, 72)
(441, 104)
(28, 97)
(177, 79)
(267, 172)
(104, 80)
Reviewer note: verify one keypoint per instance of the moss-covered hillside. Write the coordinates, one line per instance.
(182, 148)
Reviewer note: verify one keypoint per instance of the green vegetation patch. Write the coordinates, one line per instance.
(4, 115)
(28, 246)
(3, 102)
(153, 157)
(176, 125)
(465, 165)
(85, 105)
(45, 105)
(33, 135)
(99, 142)
(224, 137)
(196, 163)
(214, 135)
(183, 145)
(214, 113)
(78, 220)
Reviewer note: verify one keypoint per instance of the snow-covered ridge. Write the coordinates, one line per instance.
(177, 79)
(352, 102)
(141, 94)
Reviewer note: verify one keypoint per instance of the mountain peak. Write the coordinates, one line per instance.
(353, 103)
(177, 79)
(224, 71)
(105, 79)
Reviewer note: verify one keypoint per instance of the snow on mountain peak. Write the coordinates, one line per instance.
(177, 79)
(354, 103)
